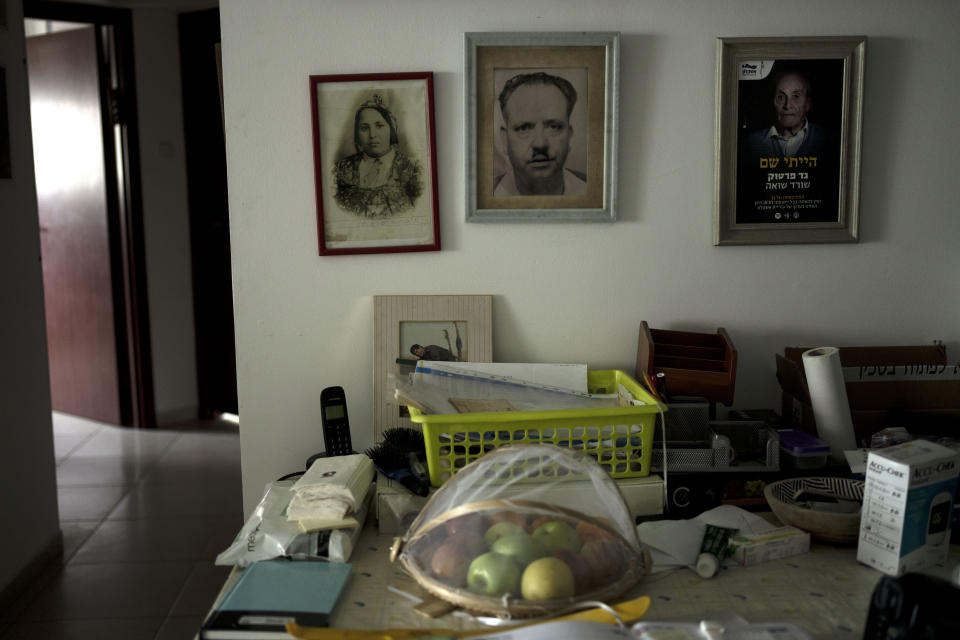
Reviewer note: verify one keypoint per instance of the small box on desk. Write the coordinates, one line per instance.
(782, 542)
(800, 450)
(907, 504)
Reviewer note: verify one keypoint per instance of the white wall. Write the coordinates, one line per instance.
(577, 292)
(166, 219)
(29, 502)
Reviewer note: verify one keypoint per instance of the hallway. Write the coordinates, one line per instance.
(144, 514)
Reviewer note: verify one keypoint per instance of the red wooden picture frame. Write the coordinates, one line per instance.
(375, 163)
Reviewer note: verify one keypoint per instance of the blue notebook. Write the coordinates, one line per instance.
(270, 593)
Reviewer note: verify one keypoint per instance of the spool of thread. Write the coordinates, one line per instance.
(828, 397)
(707, 565)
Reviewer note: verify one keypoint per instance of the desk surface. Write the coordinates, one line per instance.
(825, 591)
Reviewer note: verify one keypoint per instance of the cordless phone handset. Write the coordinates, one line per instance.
(336, 424)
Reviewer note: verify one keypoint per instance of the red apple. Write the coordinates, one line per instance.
(509, 516)
(582, 573)
(590, 531)
(450, 562)
(465, 523)
(605, 559)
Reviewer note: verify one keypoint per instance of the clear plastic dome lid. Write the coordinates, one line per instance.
(525, 530)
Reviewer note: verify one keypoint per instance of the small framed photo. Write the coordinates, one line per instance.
(541, 126)
(375, 163)
(788, 140)
(407, 329)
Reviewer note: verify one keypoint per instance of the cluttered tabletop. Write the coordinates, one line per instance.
(505, 501)
(825, 591)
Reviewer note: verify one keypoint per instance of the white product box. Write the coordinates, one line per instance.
(907, 506)
(753, 548)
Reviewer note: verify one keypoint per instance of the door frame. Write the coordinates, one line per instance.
(118, 99)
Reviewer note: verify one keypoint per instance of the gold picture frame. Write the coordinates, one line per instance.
(458, 326)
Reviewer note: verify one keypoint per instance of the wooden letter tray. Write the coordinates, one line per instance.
(695, 364)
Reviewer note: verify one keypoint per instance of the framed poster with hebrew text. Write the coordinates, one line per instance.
(788, 140)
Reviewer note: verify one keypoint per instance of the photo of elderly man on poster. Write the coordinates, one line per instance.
(789, 122)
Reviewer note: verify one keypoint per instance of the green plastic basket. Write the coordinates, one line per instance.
(618, 438)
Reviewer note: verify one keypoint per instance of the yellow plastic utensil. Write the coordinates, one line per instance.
(629, 611)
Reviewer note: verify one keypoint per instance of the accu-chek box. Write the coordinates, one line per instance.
(907, 506)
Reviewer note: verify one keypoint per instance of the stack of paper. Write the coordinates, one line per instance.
(331, 489)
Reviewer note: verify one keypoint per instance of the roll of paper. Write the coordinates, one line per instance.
(828, 397)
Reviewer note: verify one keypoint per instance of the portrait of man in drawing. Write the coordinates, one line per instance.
(538, 136)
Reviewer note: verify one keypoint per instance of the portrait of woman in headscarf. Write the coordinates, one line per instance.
(379, 180)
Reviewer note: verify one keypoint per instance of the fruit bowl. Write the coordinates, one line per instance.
(826, 508)
(501, 544)
(521, 560)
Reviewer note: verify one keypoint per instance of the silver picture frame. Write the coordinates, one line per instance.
(772, 191)
(589, 62)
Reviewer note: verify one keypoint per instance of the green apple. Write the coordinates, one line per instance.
(493, 574)
(554, 535)
(518, 545)
(547, 579)
(500, 529)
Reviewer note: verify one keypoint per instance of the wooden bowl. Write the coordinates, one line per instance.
(825, 526)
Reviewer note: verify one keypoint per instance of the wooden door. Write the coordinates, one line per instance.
(209, 213)
(67, 123)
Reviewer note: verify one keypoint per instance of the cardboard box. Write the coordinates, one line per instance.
(885, 387)
(907, 504)
(782, 542)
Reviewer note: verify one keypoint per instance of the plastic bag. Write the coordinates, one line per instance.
(268, 534)
(434, 390)
(523, 531)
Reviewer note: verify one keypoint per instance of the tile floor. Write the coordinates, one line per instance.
(144, 514)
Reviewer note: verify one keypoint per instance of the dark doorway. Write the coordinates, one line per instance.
(209, 213)
(84, 124)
